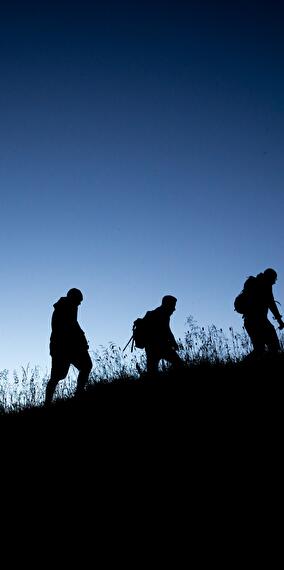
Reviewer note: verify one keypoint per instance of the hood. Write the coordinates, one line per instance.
(61, 303)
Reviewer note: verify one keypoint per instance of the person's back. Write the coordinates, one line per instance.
(158, 327)
(261, 295)
(66, 333)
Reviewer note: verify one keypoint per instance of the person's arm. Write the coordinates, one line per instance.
(171, 338)
(81, 337)
(274, 310)
(173, 341)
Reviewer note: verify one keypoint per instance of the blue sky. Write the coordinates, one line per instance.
(141, 154)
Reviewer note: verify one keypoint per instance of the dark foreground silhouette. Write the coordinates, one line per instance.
(197, 446)
(199, 397)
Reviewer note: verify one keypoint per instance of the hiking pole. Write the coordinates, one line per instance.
(128, 344)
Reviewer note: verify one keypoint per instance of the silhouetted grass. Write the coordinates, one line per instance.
(118, 383)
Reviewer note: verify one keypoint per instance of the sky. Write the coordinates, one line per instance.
(141, 154)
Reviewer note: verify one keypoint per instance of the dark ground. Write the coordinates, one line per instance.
(225, 406)
(193, 461)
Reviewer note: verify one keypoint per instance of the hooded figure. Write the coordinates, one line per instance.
(67, 335)
(68, 344)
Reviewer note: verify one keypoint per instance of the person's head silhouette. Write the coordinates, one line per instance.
(75, 296)
(270, 275)
(169, 303)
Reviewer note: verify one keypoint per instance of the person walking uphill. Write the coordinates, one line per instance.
(68, 344)
(258, 300)
(160, 342)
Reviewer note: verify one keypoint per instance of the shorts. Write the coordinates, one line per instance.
(60, 364)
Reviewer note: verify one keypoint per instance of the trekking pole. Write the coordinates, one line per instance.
(128, 344)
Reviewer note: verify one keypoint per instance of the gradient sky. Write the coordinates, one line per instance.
(141, 154)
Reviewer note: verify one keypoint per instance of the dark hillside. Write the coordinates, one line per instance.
(223, 402)
(199, 455)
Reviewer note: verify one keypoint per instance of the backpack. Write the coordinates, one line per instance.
(139, 330)
(245, 300)
(240, 303)
(139, 333)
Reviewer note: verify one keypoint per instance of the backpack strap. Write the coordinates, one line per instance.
(131, 339)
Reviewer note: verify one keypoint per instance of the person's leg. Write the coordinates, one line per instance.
(255, 330)
(84, 364)
(152, 362)
(173, 357)
(59, 370)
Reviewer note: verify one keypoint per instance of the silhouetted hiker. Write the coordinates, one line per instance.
(259, 299)
(160, 342)
(68, 344)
